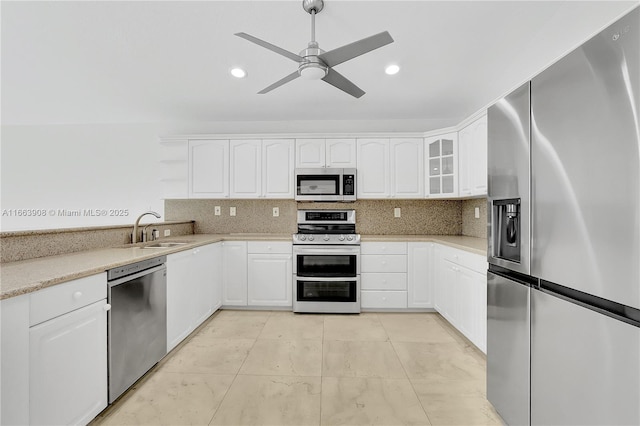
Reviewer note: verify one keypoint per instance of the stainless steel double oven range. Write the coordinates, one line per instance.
(326, 267)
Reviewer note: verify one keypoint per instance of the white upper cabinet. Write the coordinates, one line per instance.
(277, 168)
(246, 168)
(391, 168)
(209, 169)
(441, 163)
(339, 153)
(472, 141)
(373, 168)
(407, 168)
(261, 168)
(310, 153)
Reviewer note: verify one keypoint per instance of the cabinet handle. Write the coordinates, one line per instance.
(107, 307)
(268, 247)
(77, 295)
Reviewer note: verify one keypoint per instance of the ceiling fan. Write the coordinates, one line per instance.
(314, 63)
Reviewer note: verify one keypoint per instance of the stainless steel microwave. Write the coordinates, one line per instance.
(325, 184)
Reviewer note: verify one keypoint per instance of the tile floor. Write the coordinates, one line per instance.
(280, 368)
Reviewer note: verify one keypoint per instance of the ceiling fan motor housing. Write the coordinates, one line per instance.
(313, 68)
(312, 5)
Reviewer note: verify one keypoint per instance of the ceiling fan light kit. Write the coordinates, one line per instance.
(316, 64)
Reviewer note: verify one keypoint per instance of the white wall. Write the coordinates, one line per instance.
(78, 167)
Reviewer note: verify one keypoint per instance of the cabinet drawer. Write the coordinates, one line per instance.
(383, 263)
(269, 247)
(384, 299)
(62, 298)
(382, 281)
(383, 248)
(473, 261)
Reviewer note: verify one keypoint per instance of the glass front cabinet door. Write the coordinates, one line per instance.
(442, 161)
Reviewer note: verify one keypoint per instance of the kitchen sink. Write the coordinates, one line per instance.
(165, 245)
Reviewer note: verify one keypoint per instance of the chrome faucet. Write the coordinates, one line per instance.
(134, 237)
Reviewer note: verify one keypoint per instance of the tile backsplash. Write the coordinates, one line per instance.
(417, 217)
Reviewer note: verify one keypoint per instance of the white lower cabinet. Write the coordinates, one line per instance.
(420, 275)
(234, 273)
(193, 280)
(383, 275)
(269, 269)
(68, 367)
(68, 352)
(461, 292)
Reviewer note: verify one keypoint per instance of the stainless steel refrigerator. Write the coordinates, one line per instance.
(563, 337)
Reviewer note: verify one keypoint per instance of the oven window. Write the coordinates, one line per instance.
(326, 265)
(326, 291)
(318, 185)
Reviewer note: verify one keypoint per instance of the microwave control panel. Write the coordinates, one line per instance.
(349, 184)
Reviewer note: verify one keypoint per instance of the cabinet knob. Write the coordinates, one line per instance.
(77, 295)
(107, 307)
(268, 247)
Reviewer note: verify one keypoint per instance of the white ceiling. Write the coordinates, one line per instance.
(161, 61)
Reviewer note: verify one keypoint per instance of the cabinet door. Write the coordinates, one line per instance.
(465, 158)
(479, 170)
(467, 309)
(373, 168)
(341, 153)
(310, 153)
(441, 161)
(68, 367)
(209, 169)
(472, 150)
(270, 280)
(407, 168)
(420, 275)
(234, 273)
(216, 259)
(277, 168)
(245, 168)
(479, 300)
(203, 270)
(181, 291)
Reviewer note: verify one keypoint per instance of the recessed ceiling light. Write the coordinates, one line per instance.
(238, 72)
(392, 69)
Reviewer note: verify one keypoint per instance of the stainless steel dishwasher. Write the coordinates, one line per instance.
(137, 321)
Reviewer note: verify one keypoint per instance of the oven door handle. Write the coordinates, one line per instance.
(326, 279)
(340, 250)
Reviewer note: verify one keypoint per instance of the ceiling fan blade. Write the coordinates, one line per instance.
(271, 47)
(336, 79)
(357, 48)
(280, 82)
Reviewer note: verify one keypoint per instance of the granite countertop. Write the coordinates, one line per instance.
(26, 276)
